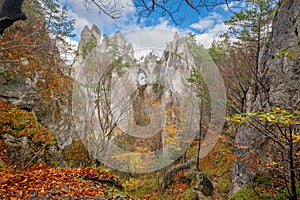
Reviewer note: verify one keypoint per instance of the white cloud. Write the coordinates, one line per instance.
(235, 5)
(211, 27)
(149, 39)
(207, 38)
(143, 39)
(203, 24)
(91, 16)
(208, 22)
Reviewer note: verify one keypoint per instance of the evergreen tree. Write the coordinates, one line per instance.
(59, 24)
(251, 26)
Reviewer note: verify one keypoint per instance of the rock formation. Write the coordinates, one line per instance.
(114, 95)
(279, 85)
(25, 93)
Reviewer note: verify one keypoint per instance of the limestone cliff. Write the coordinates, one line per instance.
(121, 104)
(33, 75)
(279, 85)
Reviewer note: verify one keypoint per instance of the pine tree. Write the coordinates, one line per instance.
(60, 25)
(251, 26)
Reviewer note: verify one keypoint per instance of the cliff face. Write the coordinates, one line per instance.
(279, 76)
(34, 78)
(122, 105)
(37, 86)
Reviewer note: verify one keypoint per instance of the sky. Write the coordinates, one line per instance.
(152, 32)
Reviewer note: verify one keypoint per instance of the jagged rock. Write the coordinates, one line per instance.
(20, 90)
(95, 31)
(18, 148)
(204, 185)
(168, 178)
(90, 38)
(131, 84)
(280, 86)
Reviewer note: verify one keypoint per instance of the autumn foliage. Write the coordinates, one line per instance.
(42, 180)
(21, 123)
(28, 51)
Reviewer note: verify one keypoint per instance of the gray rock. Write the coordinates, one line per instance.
(130, 83)
(204, 185)
(280, 78)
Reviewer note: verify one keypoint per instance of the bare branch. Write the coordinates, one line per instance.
(108, 7)
(175, 9)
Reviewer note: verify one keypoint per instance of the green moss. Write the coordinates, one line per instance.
(2, 164)
(245, 194)
(259, 190)
(282, 194)
(261, 181)
(143, 186)
(20, 123)
(189, 194)
(224, 185)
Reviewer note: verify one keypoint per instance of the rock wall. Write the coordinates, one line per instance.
(24, 92)
(279, 85)
(132, 95)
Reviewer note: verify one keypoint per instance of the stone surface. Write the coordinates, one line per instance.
(23, 88)
(130, 86)
(204, 185)
(280, 86)
(20, 90)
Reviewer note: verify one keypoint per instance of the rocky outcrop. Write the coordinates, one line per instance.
(24, 92)
(20, 90)
(34, 77)
(204, 185)
(113, 92)
(279, 75)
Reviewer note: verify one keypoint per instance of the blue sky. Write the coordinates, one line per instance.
(152, 32)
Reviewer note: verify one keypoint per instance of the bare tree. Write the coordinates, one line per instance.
(175, 10)
(110, 8)
(10, 10)
(109, 116)
(171, 9)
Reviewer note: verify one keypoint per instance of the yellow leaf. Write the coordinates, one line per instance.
(10, 55)
(274, 163)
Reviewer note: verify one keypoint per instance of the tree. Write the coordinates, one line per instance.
(281, 128)
(235, 65)
(145, 8)
(61, 27)
(278, 85)
(252, 26)
(241, 49)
